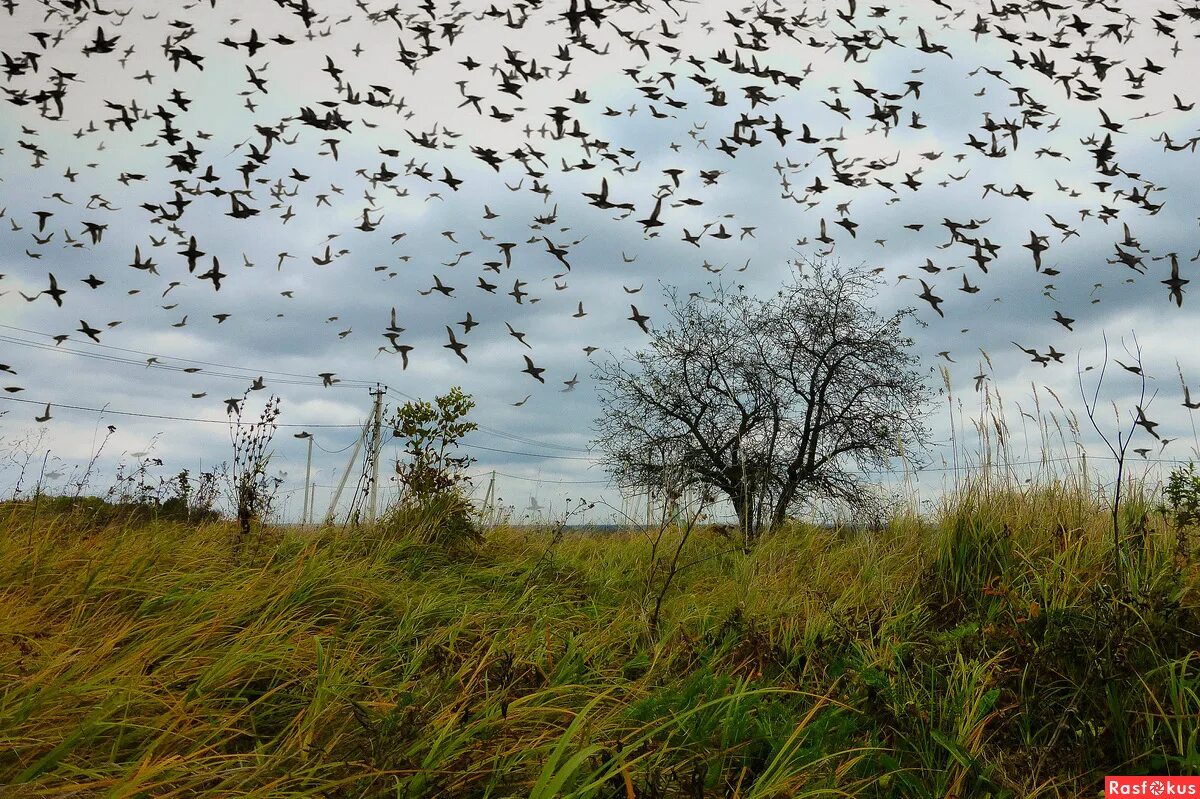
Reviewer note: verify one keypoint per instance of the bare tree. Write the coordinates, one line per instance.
(771, 402)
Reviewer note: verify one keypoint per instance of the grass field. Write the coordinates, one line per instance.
(979, 652)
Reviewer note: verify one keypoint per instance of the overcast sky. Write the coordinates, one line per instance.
(291, 318)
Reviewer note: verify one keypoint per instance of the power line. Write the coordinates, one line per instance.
(967, 468)
(314, 426)
(333, 451)
(542, 479)
(168, 417)
(530, 441)
(528, 454)
(304, 380)
(193, 360)
(166, 366)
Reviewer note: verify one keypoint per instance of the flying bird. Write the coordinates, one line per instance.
(639, 318)
(533, 371)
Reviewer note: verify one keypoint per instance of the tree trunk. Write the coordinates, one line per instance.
(786, 495)
(743, 507)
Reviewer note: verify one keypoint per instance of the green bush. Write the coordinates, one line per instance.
(445, 519)
(1181, 502)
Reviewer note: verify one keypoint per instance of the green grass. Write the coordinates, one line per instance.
(982, 652)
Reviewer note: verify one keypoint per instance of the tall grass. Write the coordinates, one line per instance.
(980, 651)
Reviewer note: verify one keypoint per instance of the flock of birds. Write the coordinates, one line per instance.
(538, 81)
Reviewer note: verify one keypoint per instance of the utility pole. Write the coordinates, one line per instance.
(489, 499)
(304, 514)
(307, 485)
(312, 500)
(376, 450)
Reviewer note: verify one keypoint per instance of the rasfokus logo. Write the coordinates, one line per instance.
(1152, 786)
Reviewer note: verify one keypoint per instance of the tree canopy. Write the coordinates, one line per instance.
(771, 401)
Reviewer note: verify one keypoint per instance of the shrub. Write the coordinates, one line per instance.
(1181, 502)
(432, 432)
(445, 519)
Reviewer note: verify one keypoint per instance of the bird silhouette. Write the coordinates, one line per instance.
(456, 346)
(533, 371)
(931, 298)
(639, 319)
